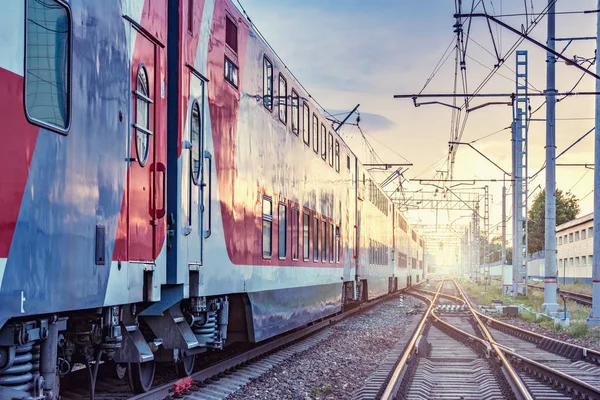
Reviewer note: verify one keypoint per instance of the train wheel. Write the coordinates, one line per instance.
(141, 376)
(185, 366)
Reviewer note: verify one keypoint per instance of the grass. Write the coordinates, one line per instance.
(578, 327)
(577, 287)
(321, 390)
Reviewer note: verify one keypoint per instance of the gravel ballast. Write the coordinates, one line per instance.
(339, 365)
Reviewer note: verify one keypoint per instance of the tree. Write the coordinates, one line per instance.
(567, 208)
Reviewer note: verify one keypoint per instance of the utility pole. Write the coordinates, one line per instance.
(595, 313)
(503, 257)
(550, 305)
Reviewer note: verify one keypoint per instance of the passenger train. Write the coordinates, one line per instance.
(169, 188)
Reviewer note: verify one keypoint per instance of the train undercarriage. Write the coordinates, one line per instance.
(36, 353)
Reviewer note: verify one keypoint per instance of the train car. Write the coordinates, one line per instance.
(169, 188)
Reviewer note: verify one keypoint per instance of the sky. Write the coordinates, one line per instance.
(348, 52)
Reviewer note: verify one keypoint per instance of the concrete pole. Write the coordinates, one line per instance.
(550, 305)
(595, 313)
(503, 256)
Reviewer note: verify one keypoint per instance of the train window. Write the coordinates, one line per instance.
(330, 149)
(331, 243)
(231, 72)
(142, 115)
(190, 21)
(282, 232)
(196, 126)
(306, 124)
(267, 227)
(316, 239)
(305, 236)
(337, 155)
(295, 223)
(324, 241)
(295, 113)
(315, 133)
(323, 142)
(282, 96)
(48, 64)
(267, 84)
(231, 37)
(338, 244)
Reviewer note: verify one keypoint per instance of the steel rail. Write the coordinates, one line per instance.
(166, 390)
(576, 297)
(394, 382)
(558, 377)
(513, 378)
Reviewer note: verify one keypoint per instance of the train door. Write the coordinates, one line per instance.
(146, 178)
(194, 172)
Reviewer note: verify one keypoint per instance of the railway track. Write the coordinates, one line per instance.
(222, 377)
(457, 352)
(580, 298)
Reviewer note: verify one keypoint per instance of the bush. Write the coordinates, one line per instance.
(579, 329)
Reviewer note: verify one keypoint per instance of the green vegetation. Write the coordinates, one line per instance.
(577, 287)
(321, 390)
(578, 327)
(567, 208)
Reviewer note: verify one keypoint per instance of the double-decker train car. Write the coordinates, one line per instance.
(169, 188)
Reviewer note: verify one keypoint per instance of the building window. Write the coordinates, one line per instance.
(330, 149)
(331, 243)
(560, 240)
(577, 236)
(295, 239)
(195, 135)
(591, 232)
(231, 72)
(306, 236)
(570, 238)
(570, 261)
(583, 259)
(267, 227)
(142, 115)
(323, 142)
(315, 238)
(560, 264)
(282, 99)
(315, 133)
(576, 261)
(295, 113)
(306, 124)
(267, 84)
(348, 161)
(337, 155)
(231, 37)
(324, 241)
(282, 230)
(591, 260)
(338, 244)
(583, 234)
(47, 64)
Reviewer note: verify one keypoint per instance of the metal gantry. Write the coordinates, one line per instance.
(520, 166)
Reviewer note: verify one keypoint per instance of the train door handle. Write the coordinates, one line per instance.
(162, 168)
(208, 156)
